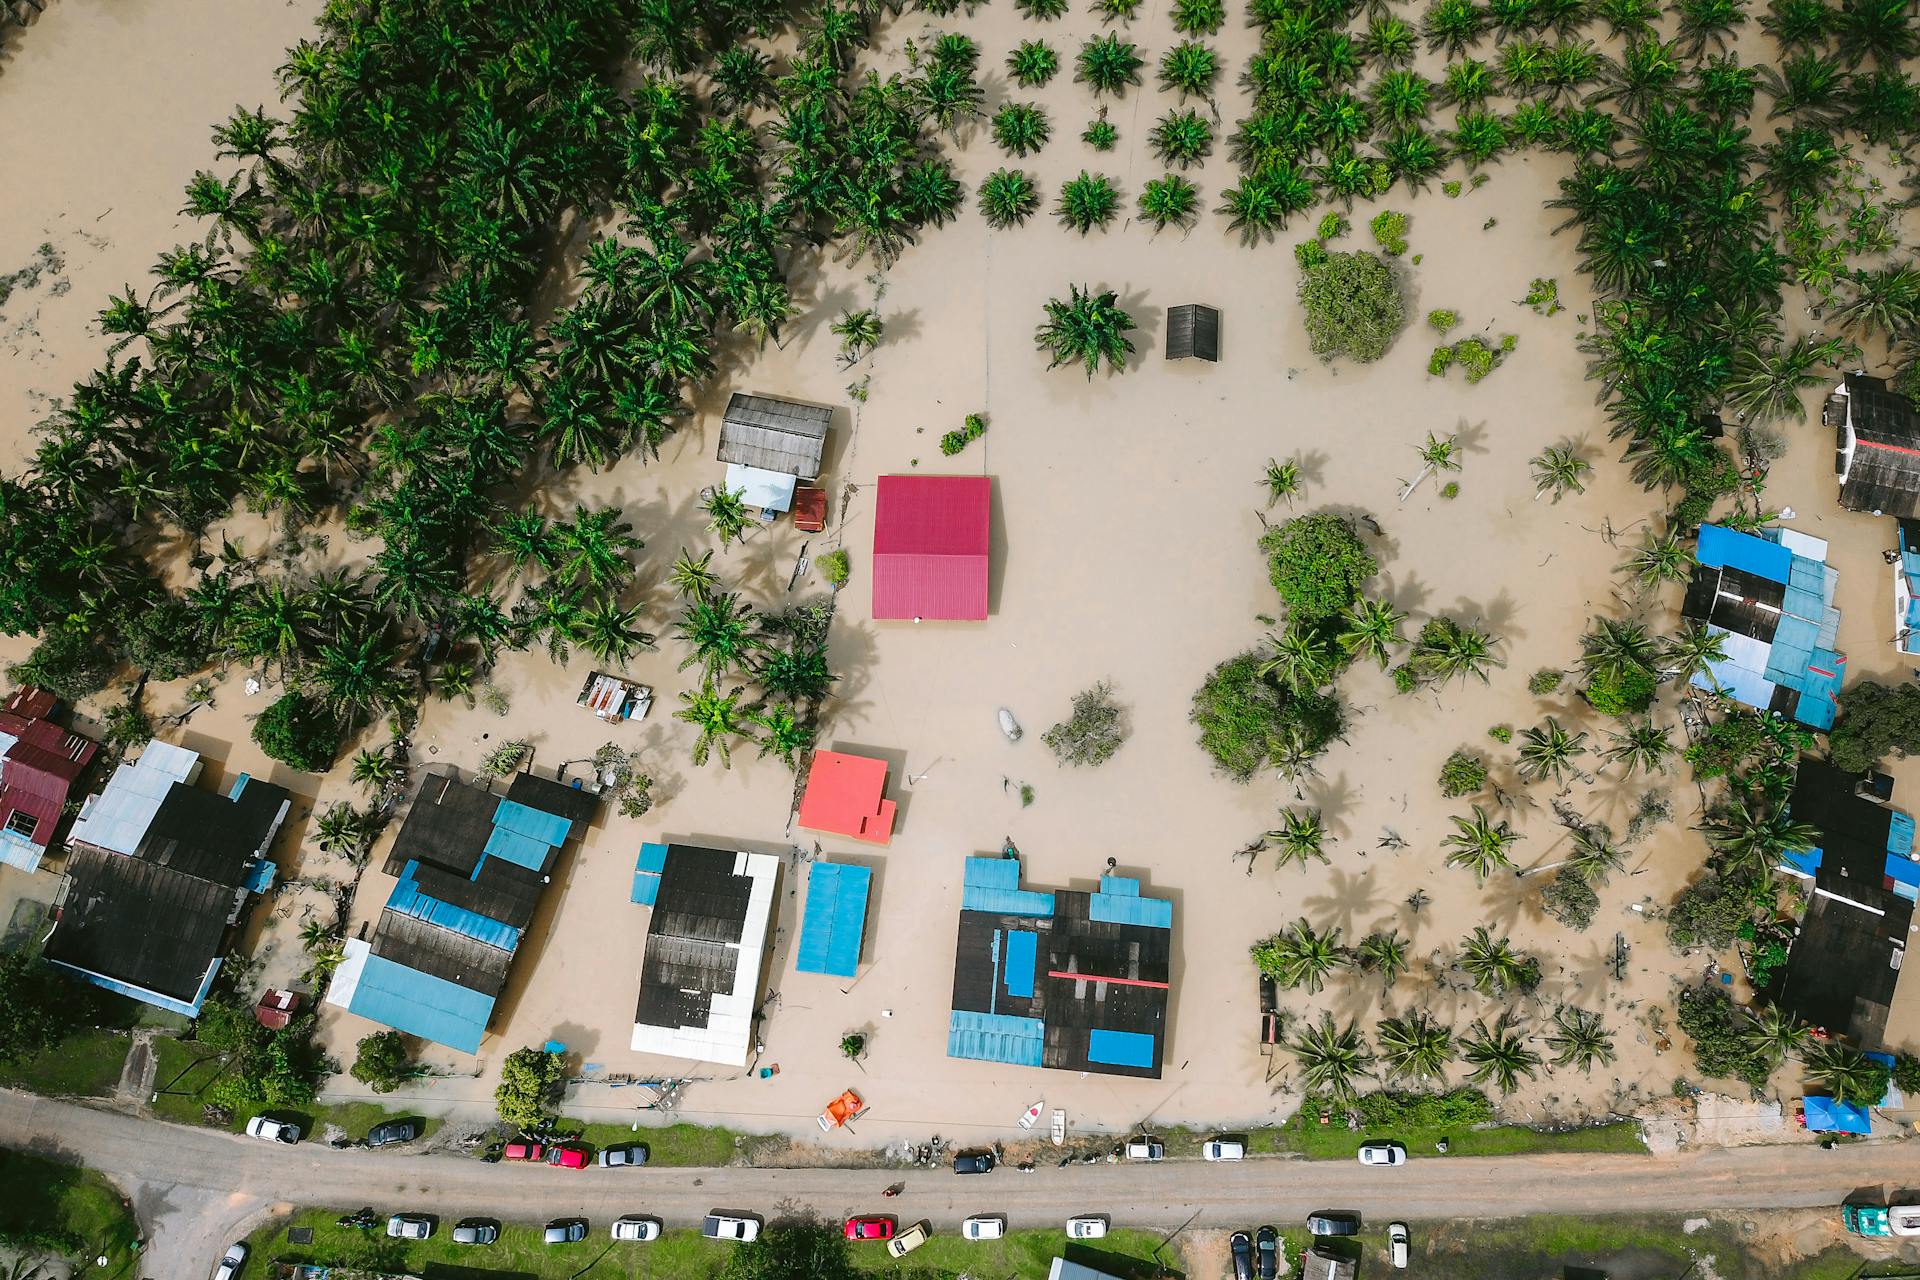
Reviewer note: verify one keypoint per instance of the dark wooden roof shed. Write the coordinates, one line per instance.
(1193, 330)
(774, 435)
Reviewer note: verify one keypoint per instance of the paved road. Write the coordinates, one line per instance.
(197, 1189)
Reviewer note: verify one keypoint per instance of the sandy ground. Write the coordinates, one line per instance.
(1125, 514)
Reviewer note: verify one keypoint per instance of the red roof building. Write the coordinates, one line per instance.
(39, 763)
(930, 547)
(846, 796)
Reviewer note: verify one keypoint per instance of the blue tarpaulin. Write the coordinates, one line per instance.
(260, 876)
(1720, 546)
(834, 920)
(1023, 948)
(1120, 1048)
(1801, 862)
(422, 1005)
(1825, 1115)
(996, 1037)
(646, 873)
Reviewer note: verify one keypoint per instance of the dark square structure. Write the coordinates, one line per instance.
(700, 973)
(1193, 332)
(1067, 979)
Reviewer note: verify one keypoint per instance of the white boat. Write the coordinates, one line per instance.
(1009, 726)
(1033, 1114)
(1059, 1127)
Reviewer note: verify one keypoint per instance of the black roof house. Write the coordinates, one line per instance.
(1193, 330)
(153, 923)
(1876, 446)
(1846, 957)
(700, 972)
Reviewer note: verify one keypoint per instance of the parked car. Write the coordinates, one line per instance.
(566, 1231)
(568, 1156)
(231, 1262)
(1088, 1226)
(1386, 1155)
(630, 1156)
(1145, 1148)
(973, 1162)
(410, 1226)
(1240, 1245)
(1266, 1253)
(634, 1227)
(983, 1227)
(726, 1226)
(1334, 1222)
(273, 1130)
(523, 1149)
(909, 1240)
(476, 1231)
(393, 1132)
(869, 1226)
(1398, 1242)
(1224, 1149)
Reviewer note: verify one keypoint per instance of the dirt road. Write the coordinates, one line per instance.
(196, 1189)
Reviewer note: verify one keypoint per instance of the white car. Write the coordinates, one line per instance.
(1383, 1155)
(1146, 1149)
(1397, 1244)
(236, 1257)
(409, 1226)
(909, 1240)
(1224, 1149)
(1086, 1227)
(983, 1227)
(724, 1226)
(273, 1130)
(636, 1228)
(1904, 1219)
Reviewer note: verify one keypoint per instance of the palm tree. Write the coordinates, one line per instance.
(726, 513)
(1107, 64)
(1302, 659)
(590, 550)
(1580, 1039)
(1750, 834)
(1439, 453)
(1595, 856)
(693, 579)
(783, 734)
(1282, 481)
(1845, 1073)
(315, 934)
(341, 829)
(1772, 1035)
(1498, 1053)
(1766, 384)
(1661, 557)
(720, 627)
(1559, 470)
(1480, 844)
(1089, 328)
(359, 674)
(1494, 965)
(611, 633)
(1446, 649)
(1371, 629)
(719, 718)
(859, 332)
(1008, 198)
(1692, 650)
(1169, 201)
(1088, 201)
(1299, 837)
(1332, 1058)
(1644, 745)
(1548, 751)
(1415, 1047)
(374, 770)
(1299, 957)
(1384, 954)
(1617, 648)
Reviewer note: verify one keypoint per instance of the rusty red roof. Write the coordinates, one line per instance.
(930, 547)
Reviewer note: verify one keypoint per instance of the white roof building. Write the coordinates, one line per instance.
(706, 945)
(116, 818)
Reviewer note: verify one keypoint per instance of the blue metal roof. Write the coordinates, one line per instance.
(646, 873)
(516, 847)
(1825, 1115)
(1120, 1048)
(1723, 546)
(1126, 906)
(1017, 969)
(835, 919)
(992, 886)
(407, 899)
(422, 1005)
(1801, 862)
(1900, 833)
(996, 1037)
(548, 828)
(1902, 870)
(260, 876)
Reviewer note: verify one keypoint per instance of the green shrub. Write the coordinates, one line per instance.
(1906, 1073)
(1390, 231)
(1441, 320)
(1405, 678)
(1354, 306)
(1451, 188)
(1317, 563)
(1543, 295)
(1332, 227)
(1309, 254)
(1706, 1014)
(1100, 135)
(1394, 1111)
(299, 731)
(1440, 361)
(165, 639)
(1873, 720)
(1450, 490)
(1092, 733)
(1569, 899)
(1463, 774)
(1501, 733)
(1544, 681)
(1620, 693)
(1246, 720)
(952, 442)
(1710, 912)
(67, 664)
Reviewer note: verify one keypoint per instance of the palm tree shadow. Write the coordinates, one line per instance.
(1333, 798)
(1407, 594)
(1496, 615)
(1349, 894)
(1146, 320)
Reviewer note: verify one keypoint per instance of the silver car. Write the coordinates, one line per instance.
(409, 1226)
(236, 1257)
(634, 1227)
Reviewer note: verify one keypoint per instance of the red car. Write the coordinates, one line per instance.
(568, 1157)
(870, 1227)
(524, 1150)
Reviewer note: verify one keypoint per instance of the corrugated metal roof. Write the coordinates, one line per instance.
(116, 818)
(1193, 330)
(996, 1037)
(1723, 546)
(421, 1004)
(700, 973)
(845, 795)
(758, 487)
(931, 546)
(774, 435)
(835, 919)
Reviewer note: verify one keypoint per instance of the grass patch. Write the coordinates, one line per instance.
(55, 1208)
(185, 1070)
(1526, 1248)
(1022, 1255)
(677, 1146)
(677, 1255)
(1306, 1136)
(86, 1065)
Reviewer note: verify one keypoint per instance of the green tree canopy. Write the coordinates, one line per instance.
(1874, 719)
(1248, 721)
(299, 731)
(383, 1063)
(1318, 564)
(1353, 304)
(529, 1087)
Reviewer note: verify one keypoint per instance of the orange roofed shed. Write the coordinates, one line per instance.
(846, 795)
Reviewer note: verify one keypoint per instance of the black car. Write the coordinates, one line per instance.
(393, 1131)
(973, 1162)
(1334, 1222)
(1242, 1246)
(1267, 1250)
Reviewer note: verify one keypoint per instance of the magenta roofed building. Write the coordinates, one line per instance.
(930, 548)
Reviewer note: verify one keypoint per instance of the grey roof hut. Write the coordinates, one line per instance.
(774, 435)
(1193, 330)
(1876, 446)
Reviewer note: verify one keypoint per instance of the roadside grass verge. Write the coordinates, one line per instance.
(84, 1065)
(676, 1146)
(56, 1208)
(1025, 1255)
(186, 1070)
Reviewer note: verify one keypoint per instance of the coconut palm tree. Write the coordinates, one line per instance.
(1088, 201)
(374, 770)
(1371, 629)
(1108, 64)
(1008, 198)
(341, 829)
(1498, 1053)
(1332, 1058)
(726, 513)
(1089, 328)
(718, 716)
(1169, 201)
(1691, 650)
(611, 633)
(591, 549)
(1595, 856)
(1845, 1073)
(1617, 648)
(1302, 659)
(1579, 1039)
(1298, 838)
(1559, 469)
(1282, 481)
(1750, 833)
(1446, 648)
(1494, 965)
(720, 627)
(1772, 1035)
(1021, 128)
(1384, 954)
(1548, 750)
(1439, 453)
(1660, 557)
(1644, 745)
(1415, 1047)
(783, 734)
(1480, 844)
(693, 579)
(1299, 957)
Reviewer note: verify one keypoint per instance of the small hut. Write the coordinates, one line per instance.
(1193, 331)
(769, 444)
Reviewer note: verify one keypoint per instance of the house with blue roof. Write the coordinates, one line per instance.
(1063, 978)
(469, 869)
(1769, 597)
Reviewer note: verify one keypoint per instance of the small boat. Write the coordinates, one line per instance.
(1033, 1114)
(1059, 1127)
(1009, 726)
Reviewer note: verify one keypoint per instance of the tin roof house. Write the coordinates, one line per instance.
(470, 867)
(161, 870)
(931, 544)
(769, 445)
(1876, 446)
(39, 764)
(1769, 596)
(706, 943)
